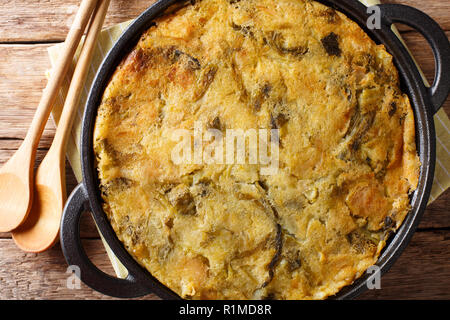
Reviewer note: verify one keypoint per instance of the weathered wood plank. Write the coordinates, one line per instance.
(88, 229)
(42, 20)
(22, 70)
(20, 92)
(421, 272)
(437, 214)
(43, 276)
(23, 67)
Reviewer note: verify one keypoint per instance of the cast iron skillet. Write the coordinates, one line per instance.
(425, 102)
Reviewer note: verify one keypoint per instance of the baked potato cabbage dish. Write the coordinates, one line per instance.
(347, 153)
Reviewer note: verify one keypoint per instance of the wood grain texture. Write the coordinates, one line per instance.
(422, 272)
(437, 215)
(44, 276)
(43, 20)
(23, 67)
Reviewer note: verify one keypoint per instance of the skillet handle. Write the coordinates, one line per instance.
(438, 41)
(76, 256)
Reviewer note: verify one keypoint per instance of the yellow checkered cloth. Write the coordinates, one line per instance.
(107, 39)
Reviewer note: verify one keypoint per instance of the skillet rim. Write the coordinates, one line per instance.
(410, 78)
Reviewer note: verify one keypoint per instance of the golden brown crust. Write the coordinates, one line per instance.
(347, 159)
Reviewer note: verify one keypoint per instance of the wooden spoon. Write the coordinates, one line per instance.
(40, 231)
(16, 176)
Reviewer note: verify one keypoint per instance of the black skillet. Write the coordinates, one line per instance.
(425, 102)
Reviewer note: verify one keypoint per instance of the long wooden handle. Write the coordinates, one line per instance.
(51, 91)
(78, 79)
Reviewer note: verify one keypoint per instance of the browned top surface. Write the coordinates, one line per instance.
(423, 271)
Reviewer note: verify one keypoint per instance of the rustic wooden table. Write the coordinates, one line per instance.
(29, 27)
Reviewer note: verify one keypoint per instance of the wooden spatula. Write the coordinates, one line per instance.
(16, 176)
(41, 229)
